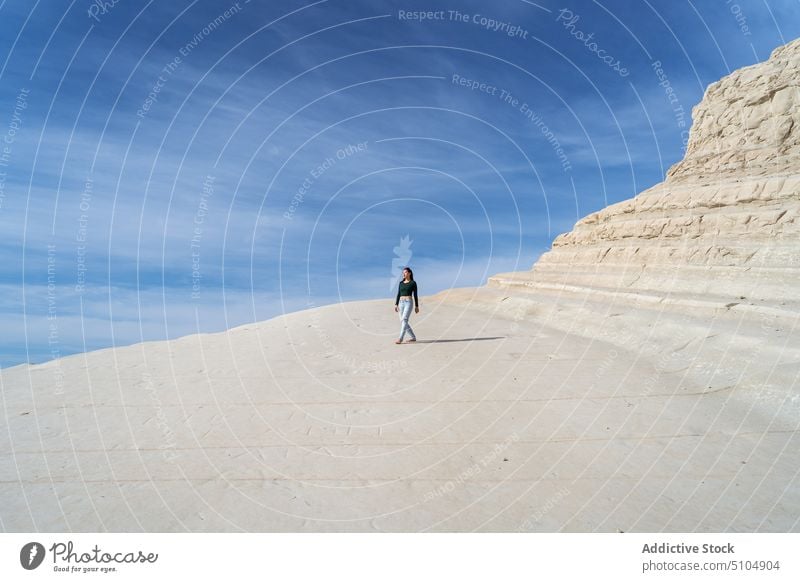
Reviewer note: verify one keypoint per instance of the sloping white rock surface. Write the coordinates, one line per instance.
(723, 227)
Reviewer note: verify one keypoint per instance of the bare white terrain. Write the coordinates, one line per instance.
(643, 376)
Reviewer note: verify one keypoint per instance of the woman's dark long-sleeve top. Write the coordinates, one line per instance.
(407, 289)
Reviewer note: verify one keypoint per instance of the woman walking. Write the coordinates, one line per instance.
(402, 304)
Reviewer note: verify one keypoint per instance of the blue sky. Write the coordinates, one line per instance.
(189, 166)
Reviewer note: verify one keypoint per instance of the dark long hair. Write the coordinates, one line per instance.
(410, 273)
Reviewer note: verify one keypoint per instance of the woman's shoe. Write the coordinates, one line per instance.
(398, 341)
(411, 341)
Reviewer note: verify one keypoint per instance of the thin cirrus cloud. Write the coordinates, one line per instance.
(234, 192)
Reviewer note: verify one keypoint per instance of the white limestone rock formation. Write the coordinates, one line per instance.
(722, 228)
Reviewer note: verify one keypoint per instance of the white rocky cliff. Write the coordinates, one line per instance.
(722, 228)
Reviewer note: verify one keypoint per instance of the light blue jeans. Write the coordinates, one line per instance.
(404, 308)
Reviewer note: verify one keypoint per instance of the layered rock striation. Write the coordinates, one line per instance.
(722, 228)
